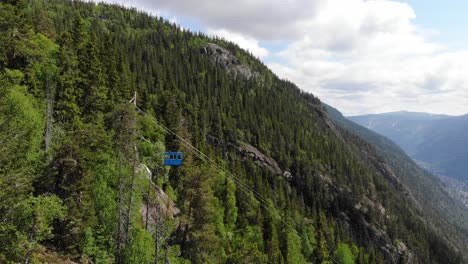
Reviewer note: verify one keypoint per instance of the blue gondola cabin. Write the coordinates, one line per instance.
(173, 158)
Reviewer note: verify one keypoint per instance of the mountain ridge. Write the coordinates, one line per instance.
(407, 114)
(438, 141)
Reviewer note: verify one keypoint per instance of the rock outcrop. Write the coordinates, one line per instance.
(248, 151)
(223, 58)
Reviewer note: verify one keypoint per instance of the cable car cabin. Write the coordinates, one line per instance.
(173, 158)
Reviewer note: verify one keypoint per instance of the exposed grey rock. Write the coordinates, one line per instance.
(261, 158)
(162, 208)
(402, 247)
(247, 150)
(223, 58)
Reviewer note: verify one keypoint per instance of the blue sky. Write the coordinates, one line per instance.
(449, 18)
(361, 56)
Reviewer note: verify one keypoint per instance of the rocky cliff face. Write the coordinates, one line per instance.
(223, 58)
(246, 150)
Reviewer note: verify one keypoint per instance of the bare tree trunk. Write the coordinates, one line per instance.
(166, 256)
(120, 233)
(157, 234)
(32, 235)
(148, 194)
(130, 199)
(49, 114)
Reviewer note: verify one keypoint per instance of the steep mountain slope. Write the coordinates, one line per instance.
(437, 140)
(423, 187)
(267, 176)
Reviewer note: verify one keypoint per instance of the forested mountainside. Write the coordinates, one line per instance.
(267, 177)
(437, 140)
(425, 189)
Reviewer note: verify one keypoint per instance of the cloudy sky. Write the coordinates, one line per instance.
(361, 56)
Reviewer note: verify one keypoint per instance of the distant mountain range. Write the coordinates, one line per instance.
(438, 142)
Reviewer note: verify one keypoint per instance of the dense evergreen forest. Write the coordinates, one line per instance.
(267, 177)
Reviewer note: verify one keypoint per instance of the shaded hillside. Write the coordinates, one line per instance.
(423, 187)
(437, 140)
(267, 177)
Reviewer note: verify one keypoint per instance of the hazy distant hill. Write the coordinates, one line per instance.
(438, 140)
(422, 186)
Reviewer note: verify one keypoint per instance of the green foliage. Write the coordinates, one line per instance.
(308, 241)
(343, 254)
(24, 220)
(230, 215)
(41, 211)
(33, 224)
(67, 110)
(247, 247)
(203, 241)
(321, 252)
(141, 249)
(44, 64)
(294, 244)
(198, 42)
(21, 130)
(14, 36)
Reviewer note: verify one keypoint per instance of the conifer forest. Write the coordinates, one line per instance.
(93, 95)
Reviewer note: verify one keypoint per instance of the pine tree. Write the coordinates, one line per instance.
(321, 253)
(67, 110)
(15, 34)
(94, 97)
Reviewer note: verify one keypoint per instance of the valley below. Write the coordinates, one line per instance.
(456, 188)
(436, 143)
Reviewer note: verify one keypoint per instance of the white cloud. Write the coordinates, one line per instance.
(263, 19)
(368, 56)
(244, 42)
